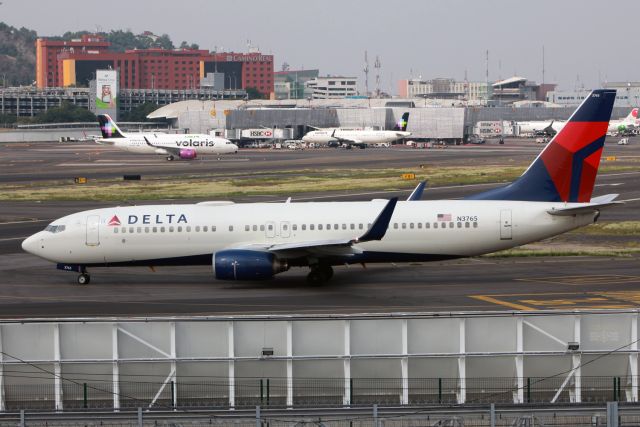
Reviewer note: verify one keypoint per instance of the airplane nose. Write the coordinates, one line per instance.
(30, 244)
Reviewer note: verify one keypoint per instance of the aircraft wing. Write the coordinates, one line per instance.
(349, 141)
(328, 247)
(170, 150)
(596, 204)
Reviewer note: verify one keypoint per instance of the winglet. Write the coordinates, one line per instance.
(416, 194)
(147, 141)
(379, 227)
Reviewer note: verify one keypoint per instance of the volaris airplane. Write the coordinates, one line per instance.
(182, 146)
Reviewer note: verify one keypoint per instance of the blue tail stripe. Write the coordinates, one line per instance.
(578, 162)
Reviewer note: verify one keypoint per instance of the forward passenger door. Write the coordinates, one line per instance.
(93, 230)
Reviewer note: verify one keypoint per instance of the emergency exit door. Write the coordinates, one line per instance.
(506, 229)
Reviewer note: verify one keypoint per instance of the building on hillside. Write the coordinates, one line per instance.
(293, 84)
(64, 64)
(49, 70)
(333, 87)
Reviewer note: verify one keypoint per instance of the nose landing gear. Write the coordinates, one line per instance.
(84, 279)
(170, 158)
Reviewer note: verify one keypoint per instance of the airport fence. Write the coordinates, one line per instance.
(610, 415)
(327, 392)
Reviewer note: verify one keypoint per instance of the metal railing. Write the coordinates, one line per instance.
(273, 392)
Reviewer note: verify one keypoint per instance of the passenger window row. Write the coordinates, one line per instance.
(439, 224)
(305, 227)
(294, 227)
(163, 229)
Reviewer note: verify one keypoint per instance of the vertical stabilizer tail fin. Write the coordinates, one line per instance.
(565, 171)
(632, 118)
(402, 123)
(108, 127)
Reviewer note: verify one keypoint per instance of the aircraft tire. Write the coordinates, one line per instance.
(84, 279)
(169, 158)
(326, 271)
(319, 275)
(314, 278)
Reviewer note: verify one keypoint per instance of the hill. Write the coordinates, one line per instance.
(17, 55)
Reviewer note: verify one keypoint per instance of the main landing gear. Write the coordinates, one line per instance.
(170, 158)
(319, 274)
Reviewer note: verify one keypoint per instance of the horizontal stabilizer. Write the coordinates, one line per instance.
(596, 204)
(607, 198)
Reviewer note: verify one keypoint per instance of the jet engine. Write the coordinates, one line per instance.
(187, 153)
(238, 264)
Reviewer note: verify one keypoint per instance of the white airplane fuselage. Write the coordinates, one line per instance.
(191, 234)
(324, 136)
(534, 127)
(164, 143)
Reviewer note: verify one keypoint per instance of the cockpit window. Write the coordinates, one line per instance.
(55, 228)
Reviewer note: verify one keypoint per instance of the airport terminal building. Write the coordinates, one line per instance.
(427, 121)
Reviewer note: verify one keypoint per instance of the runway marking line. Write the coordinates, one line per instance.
(589, 300)
(496, 301)
(601, 279)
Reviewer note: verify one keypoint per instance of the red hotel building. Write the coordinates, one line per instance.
(60, 63)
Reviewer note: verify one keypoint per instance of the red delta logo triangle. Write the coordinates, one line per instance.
(114, 220)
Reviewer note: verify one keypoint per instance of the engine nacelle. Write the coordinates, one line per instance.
(187, 153)
(237, 264)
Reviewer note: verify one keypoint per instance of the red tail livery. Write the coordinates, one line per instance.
(566, 169)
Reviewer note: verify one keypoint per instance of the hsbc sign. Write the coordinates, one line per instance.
(261, 133)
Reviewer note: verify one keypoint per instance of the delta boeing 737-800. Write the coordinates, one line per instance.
(255, 241)
(182, 146)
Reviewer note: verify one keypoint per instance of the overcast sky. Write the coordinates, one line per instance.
(585, 40)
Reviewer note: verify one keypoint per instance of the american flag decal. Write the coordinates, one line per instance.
(444, 217)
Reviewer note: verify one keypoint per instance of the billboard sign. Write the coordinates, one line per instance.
(106, 90)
